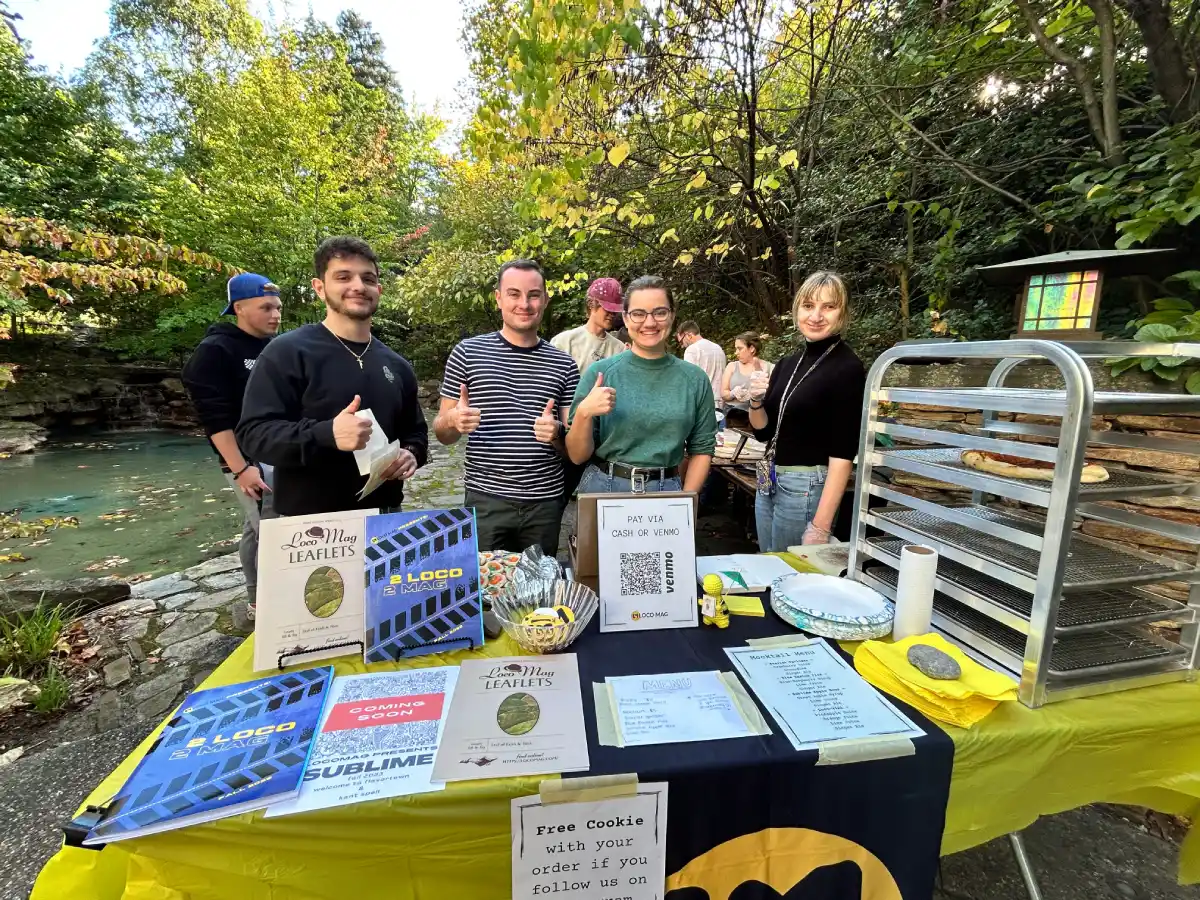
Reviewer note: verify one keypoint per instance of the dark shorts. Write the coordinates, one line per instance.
(515, 525)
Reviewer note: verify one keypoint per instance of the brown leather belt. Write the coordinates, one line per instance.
(633, 473)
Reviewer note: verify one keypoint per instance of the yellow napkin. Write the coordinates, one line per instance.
(744, 605)
(962, 701)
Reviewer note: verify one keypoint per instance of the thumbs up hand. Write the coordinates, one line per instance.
(349, 431)
(464, 418)
(599, 401)
(545, 426)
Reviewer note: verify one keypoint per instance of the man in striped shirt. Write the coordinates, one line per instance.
(510, 391)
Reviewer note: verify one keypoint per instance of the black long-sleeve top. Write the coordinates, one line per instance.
(300, 383)
(215, 377)
(824, 413)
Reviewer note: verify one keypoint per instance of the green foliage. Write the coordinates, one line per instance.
(1174, 320)
(54, 690)
(27, 644)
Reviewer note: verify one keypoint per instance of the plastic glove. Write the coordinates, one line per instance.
(814, 534)
(758, 385)
(741, 393)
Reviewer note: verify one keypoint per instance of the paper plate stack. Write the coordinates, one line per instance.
(831, 607)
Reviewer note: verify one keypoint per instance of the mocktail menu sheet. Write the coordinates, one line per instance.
(517, 715)
(816, 697)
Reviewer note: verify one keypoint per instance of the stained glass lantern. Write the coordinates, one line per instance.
(1060, 292)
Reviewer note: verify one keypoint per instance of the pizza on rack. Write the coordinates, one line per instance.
(1029, 469)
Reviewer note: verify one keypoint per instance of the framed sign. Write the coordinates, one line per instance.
(647, 558)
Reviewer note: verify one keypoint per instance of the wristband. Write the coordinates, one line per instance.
(760, 405)
(248, 465)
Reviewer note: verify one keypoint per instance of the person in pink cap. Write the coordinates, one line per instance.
(592, 341)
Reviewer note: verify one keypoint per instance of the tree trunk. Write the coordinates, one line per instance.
(1164, 57)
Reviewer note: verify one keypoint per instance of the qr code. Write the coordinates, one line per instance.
(641, 574)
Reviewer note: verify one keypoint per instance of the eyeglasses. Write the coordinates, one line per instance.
(638, 316)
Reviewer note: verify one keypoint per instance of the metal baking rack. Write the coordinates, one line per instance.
(1063, 613)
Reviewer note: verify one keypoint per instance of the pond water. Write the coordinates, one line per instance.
(148, 502)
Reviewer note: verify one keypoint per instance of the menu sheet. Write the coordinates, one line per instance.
(516, 715)
(816, 697)
(674, 708)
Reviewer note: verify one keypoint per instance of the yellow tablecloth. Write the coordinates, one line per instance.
(1140, 747)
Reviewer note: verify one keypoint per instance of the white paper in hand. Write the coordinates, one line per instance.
(376, 443)
(379, 462)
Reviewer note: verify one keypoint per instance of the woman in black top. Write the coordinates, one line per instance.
(809, 412)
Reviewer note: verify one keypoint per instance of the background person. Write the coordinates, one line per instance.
(215, 377)
(591, 341)
(735, 382)
(301, 400)
(635, 415)
(809, 410)
(702, 352)
(509, 391)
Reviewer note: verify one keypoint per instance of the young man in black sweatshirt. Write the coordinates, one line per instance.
(215, 377)
(299, 410)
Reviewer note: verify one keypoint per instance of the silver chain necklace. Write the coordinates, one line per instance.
(358, 357)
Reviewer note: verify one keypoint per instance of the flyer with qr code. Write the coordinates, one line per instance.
(647, 551)
(377, 739)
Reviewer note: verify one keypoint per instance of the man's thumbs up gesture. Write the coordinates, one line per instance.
(464, 417)
(349, 431)
(545, 426)
(599, 401)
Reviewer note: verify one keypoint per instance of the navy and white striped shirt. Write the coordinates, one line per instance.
(510, 386)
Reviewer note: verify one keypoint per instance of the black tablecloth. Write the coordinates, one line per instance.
(725, 789)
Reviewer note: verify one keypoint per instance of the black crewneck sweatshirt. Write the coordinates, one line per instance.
(300, 382)
(824, 413)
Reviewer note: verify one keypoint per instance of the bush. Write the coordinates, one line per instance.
(27, 644)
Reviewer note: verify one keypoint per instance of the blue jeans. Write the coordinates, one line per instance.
(595, 481)
(782, 517)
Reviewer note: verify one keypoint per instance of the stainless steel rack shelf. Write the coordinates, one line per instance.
(945, 464)
(1087, 610)
(1112, 649)
(1058, 609)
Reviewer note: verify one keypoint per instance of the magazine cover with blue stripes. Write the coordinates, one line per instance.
(228, 750)
(422, 571)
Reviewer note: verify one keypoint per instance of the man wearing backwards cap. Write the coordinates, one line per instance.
(215, 377)
(591, 340)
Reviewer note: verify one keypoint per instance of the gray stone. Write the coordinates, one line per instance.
(169, 683)
(242, 622)
(136, 629)
(158, 588)
(81, 596)
(107, 644)
(224, 581)
(16, 691)
(187, 627)
(106, 712)
(159, 705)
(933, 662)
(219, 600)
(117, 672)
(149, 667)
(178, 601)
(135, 651)
(20, 437)
(132, 607)
(216, 566)
(186, 650)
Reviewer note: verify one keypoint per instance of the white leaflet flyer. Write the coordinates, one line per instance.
(517, 715)
(377, 739)
(311, 595)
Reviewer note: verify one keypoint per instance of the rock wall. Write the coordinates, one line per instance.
(79, 390)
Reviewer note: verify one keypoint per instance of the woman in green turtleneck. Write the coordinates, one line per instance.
(636, 414)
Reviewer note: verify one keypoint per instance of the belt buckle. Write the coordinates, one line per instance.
(637, 480)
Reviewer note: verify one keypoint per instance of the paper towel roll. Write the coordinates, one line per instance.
(914, 591)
